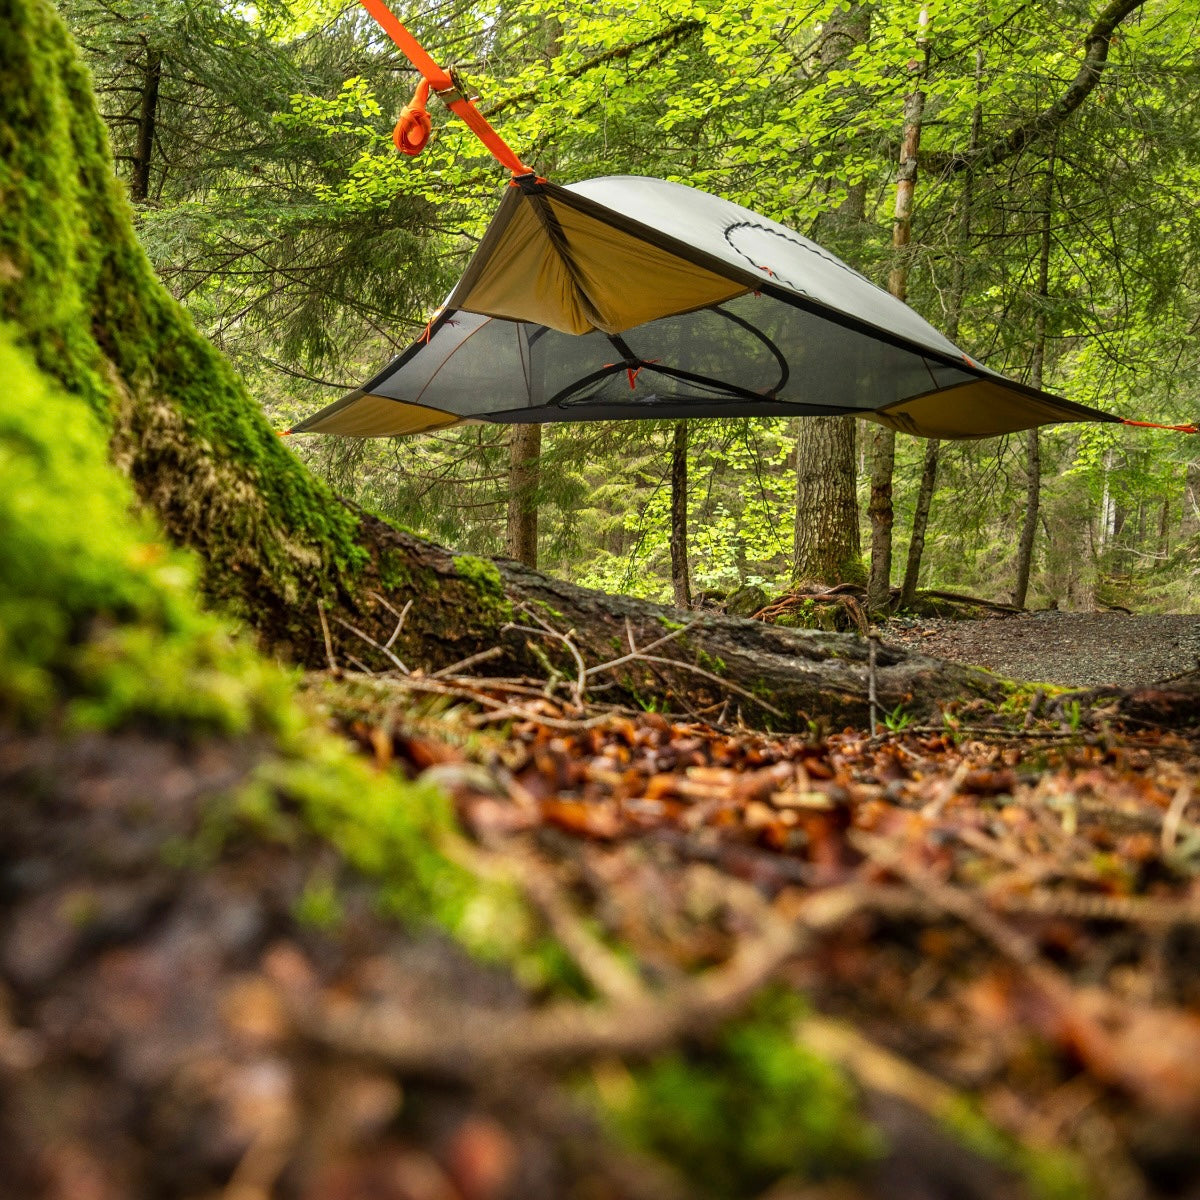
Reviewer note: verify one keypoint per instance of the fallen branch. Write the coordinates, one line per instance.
(469, 1043)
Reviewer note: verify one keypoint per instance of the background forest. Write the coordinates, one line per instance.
(255, 141)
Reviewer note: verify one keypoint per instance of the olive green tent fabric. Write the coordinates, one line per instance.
(627, 297)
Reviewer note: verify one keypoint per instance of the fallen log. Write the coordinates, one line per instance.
(617, 648)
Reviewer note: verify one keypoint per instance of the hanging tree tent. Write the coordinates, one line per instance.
(626, 297)
(634, 297)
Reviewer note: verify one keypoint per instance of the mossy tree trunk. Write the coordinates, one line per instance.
(273, 540)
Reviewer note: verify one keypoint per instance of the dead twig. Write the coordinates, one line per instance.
(469, 1043)
(325, 633)
(1174, 817)
(872, 697)
(547, 630)
(470, 661)
(635, 653)
(399, 615)
(366, 637)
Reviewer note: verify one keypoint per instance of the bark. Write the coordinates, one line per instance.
(681, 584)
(525, 447)
(827, 546)
(139, 182)
(772, 677)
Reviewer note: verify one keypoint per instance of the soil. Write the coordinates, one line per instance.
(1070, 649)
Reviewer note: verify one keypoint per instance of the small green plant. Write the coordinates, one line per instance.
(1074, 716)
(897, 720)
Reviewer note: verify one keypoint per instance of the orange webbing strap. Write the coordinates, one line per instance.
(1154, 425)
(442, 83)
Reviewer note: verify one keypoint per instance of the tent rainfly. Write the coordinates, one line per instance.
(626, 297)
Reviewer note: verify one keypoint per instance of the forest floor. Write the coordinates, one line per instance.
(994, 925)
(1070, 649)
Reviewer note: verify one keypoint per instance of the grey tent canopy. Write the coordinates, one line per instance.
(626, 297)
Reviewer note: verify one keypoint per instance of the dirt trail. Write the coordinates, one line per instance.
(1069, 649)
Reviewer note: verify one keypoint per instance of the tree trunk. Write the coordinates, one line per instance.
(879, 509)
(827, 547)
(1033, 490)
(883, 441)
(681, 583)
(1033, 454)
(916, 545)
(139, 182)
(958, 290)
(524, 476)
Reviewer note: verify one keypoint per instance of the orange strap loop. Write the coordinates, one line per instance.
(1154, 425)
(443, 83)
(414, 126)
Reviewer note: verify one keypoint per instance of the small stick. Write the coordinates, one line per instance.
(636, 653)
(325, 632)
(399, 615)
(1173, 818)
(454, 668)
(372, 642)
(725, 683)
(872, 651)
(580, 684)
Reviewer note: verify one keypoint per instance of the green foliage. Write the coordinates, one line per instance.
(312, 251)
(749, 1110)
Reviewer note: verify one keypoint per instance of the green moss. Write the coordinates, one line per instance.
(99, 626)
(393, 571)
(319, 906)
(752, 1109)
(81, 294)
(97, 616)
(1051, 1174)
(480, 571)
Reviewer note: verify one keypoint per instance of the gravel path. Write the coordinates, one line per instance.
(1069, 649)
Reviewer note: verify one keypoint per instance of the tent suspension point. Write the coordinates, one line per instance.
(413, 128)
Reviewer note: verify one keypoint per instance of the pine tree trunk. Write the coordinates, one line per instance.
(681, 584)
(139, 182)
(524, 476)
(1033, 455)
(827, 546)
(916, 545)
(883, 441)
(958, 290)
(1033, 490)
(879, 509)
